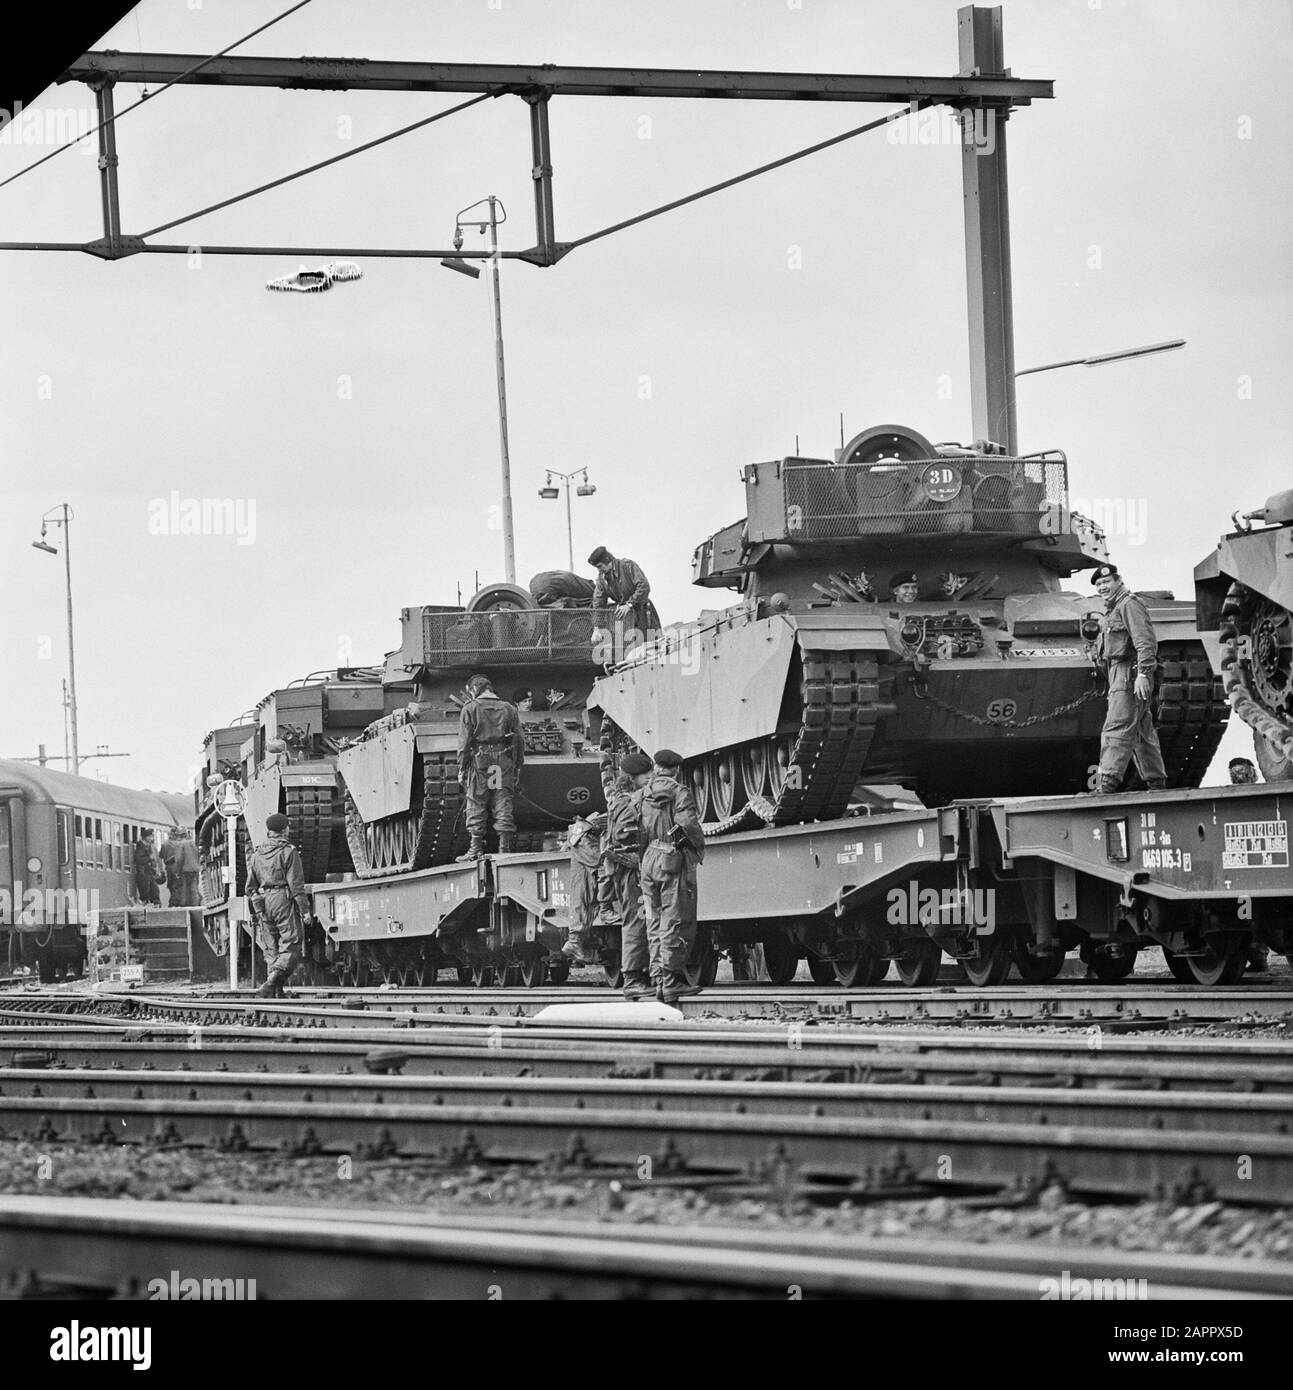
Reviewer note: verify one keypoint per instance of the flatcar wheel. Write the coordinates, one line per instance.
(558, 971)
(464, 974)
(507, 976)
(534, 971)
(1109, 970)
(991, 966)
(780, 959)
(1036, 970)
(1224, 967)
(822, 971)
(482, 974)
(1176, 964)
(864, 969)
(919, 962)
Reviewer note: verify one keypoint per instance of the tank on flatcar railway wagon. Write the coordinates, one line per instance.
(976, 681)
(404, 805)
(1244, 593)
(66, 853)
(904, 622)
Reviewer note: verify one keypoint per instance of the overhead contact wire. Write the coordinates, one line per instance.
(910, 109)
(188, 72)
(322, 164)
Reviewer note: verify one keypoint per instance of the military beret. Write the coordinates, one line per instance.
(1105, 572)
(600, 554)
(666, 757)
(1243, 762)
(635, 764)
(278, 821)
(903, 577)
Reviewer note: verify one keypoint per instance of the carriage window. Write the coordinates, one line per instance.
(64, 847)
(116, 854)
(80, 842)
(98, 843)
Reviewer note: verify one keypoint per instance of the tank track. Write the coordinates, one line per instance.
(420, 839)
(311, 814)
(842, 704)
(211, 860)
(1272, 732)
(1192, 713)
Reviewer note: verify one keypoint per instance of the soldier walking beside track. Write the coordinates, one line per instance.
(276, 891)
(622, 864)
(674, 845)
(1128, 652)
(491, 751)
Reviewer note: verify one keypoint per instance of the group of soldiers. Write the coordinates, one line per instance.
(174, 864)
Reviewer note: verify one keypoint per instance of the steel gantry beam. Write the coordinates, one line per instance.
(984, 92)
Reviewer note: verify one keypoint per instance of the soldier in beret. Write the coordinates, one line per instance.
(904, 587)
(281, 908)
(622, 586)
(674, 845)
(1128, 652)
(620, 888)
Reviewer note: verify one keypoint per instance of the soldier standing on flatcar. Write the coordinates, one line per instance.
(623, 585)
(276, 891)
(674, 845)
(1128, 652)
(491, 751)
(621, 885)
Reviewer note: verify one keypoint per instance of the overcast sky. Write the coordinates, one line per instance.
(1149, 200)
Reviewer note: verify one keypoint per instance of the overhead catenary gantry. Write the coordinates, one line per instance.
(983, 84)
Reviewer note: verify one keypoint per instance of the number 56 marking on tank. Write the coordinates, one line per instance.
(999, 711)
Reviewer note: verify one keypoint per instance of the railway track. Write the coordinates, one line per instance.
(1114, 1007)
(68, 1246)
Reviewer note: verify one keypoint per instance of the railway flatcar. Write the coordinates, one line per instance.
(66, 850)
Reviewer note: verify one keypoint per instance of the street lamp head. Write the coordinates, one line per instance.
(585, 489)
(551, 493)
(462, 267)
(45, 546)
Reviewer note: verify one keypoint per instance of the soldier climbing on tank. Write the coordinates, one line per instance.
(674, 844)
(491, 751)
(279, 904)
(620, 888)
(622, 585)
(561, 589)
(1128, 653)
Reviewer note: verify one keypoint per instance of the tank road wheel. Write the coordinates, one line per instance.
(822, 971)
(700, 786)
(780, 748)
(534, 971)
(726, 791)
(918, 964)
(991, 966)
(780, 959)
(864, 969)
(1223, 967)
(1035, 970)
(482, 974)
(754, 759)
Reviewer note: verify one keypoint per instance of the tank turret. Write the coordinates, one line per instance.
(904, 618)
(1244, 591)
(404, 806)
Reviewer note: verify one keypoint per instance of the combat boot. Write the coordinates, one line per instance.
(507, 841)
(273, 986)
(638, 986)
(573, 950)
(675, 987)
(1157, 785)
(1109, 786)
(476, 850)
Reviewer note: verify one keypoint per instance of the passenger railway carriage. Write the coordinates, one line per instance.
(66, 850)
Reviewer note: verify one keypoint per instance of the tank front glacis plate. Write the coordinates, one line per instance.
(710, 689)
(1260, 561)
(378, 772)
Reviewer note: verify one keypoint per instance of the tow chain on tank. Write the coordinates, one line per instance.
(1235, 612)
(1032, 719)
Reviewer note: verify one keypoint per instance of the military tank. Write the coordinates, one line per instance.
(403, 804)
(1244, 594)
(978, 681)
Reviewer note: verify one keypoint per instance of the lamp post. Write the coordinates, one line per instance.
(49, 519)
(585, 489)
(465, 268)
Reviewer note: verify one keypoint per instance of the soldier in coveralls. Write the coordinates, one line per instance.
(491, 750)
(621, 886)
(1128, 651)
(674, 844)
(585, 841)
(276, 891)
